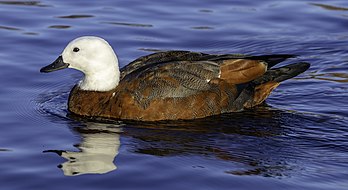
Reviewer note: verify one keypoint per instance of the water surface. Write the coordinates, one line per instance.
(297, 140)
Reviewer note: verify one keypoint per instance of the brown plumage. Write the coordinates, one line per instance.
(177, 85)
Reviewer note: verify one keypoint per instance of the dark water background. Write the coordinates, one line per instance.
(298, 140)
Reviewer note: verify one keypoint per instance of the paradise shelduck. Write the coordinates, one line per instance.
(170, 85)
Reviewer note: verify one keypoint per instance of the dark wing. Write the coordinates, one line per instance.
(162, 57)
(176, 79)
(177, 55)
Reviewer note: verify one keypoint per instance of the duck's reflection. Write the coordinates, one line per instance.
(252, 139)
(253, 142)
(98, 148)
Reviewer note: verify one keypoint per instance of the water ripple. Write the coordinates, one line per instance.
(330, 7)
(24, 3)
(9, 28)
(60, 26)
(75, 16)
(128, 24)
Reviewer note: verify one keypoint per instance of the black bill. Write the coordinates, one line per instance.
(56, 65)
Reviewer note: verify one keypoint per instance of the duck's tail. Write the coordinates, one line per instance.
(256, 91)
(282, 73)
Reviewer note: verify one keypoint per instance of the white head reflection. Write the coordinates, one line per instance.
(98, 149)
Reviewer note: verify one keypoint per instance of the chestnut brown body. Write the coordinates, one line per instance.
(185, 85)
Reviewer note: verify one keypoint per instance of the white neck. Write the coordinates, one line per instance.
(101, 80)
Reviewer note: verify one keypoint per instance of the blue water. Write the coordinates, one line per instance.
(297, 140)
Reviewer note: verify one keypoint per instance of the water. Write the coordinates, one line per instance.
(298, 140)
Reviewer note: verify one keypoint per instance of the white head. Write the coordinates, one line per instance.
(95, 58)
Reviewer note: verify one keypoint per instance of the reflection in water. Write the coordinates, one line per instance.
(254, 142)
(98, 149)
(251, 138)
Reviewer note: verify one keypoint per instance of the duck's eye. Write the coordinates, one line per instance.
(76, 49)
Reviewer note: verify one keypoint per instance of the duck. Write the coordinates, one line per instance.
(168, 85)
